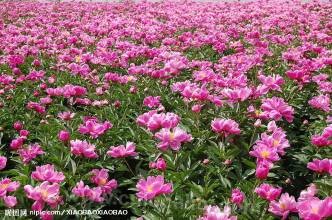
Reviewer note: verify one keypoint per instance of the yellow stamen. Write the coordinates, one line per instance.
(78, 59)
(44, 193)
(276, 143)
(149, 189)
(265, 154)
(282, 206)
(4, 186)
(171, 136)
(102, 181)
(314, 210)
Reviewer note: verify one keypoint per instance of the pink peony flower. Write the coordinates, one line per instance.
(7, 185)
(159, 165)
(237, 196)
(225, 127)
(276, 140)
(285, 205)
(270, 83)
(321, 102)
(66, 116)
(84, 191)
(10, 201)
(151, 101)
(268, 192)
(323, 140)
(275, 108)
(214, 213)
(95, 194)
(196, 108)
(83, 149)
(151, 187)
(123, 151)
(172, 138)
(80, 190)
(31, 152)
(93, 127)
(263, 169)
(315, 209)
(17, 143)
(47, 173)
(3, 162)
(64, 136)
(309, 193)
(154, 121)
(100, 178)
(24, 133)
(18, 126)
(264, 153)
(44, 193)
(321, 166)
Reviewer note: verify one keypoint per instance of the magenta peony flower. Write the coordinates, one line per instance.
(268, 192)
(275, 108)
(47, 173)
(10, 201)
(315, 209)
(214, 213)
(237, 196)
(151, 187)
(196, 108)
(31, 152)
(100, 178)
(18, 126)
(80, 190)
(64, 136)
(172, 138)
(285, 205)
(7, 185)
(123, 151)
(3, 162)
(84, 191)
(321, 102)
(151, 101)
(154, 121)
(83, 149)
(321, 166)
(276, 140)
(263, 169)
(160, 164)
(66, 116)
(45, 193)
(17, 143)
(323, 140)
(264, 153)
(225, 127)
(309, 193)
(272, 82)
(92, 127)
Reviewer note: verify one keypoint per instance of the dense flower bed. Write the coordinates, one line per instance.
(170, 110)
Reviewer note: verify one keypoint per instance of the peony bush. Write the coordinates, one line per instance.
(166, 110)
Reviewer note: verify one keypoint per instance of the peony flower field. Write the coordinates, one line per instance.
(166, 110)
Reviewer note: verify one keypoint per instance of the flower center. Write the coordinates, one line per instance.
(102, 181)
(78, 59)
(4, 186)
(276, 143)
(44, 193)
(282, 206)
(314, 210)
(149, 188)
(171, 136)
(265, 154)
